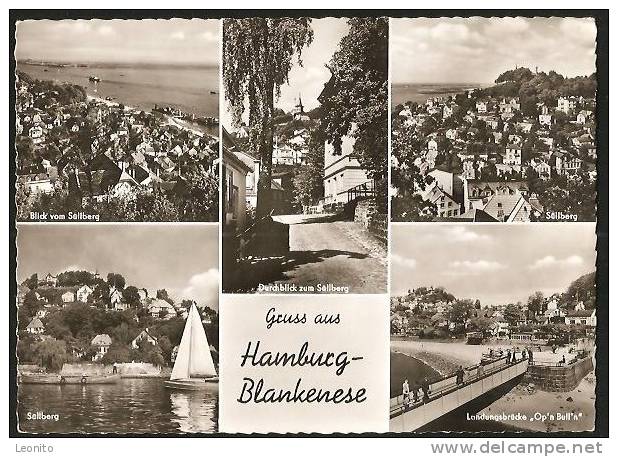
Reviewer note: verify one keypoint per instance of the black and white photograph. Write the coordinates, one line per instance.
(110, 338)
(305, 144)
(493, 328)
(117, 120)
(493, 119)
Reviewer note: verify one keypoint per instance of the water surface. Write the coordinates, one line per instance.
(130, 406)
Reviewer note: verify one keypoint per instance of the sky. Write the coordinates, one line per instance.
(173, 41)
(182, 258)
(309, 80)
(477, 50)
(496, 263)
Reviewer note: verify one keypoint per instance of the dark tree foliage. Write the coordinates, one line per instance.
(355, 100)
(258, 54)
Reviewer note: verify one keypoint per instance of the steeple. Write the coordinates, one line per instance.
(300, 104)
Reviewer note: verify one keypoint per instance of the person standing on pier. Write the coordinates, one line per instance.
(425, 388)
(415, 389)
(460, 375)
(406, 393)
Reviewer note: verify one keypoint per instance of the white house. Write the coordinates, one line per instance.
(235, 186)
(342, 172)
(102, 344)
(512, 155)
(68, 297)
(83, 293)
(161, 309)
(115, 298)
(586, 317)
(144, 336)
(35, 327)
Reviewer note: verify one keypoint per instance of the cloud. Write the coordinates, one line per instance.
(469, 267)
(582, 30)
(462, 234)
(203, 288)
(552, 262)
(403, 261)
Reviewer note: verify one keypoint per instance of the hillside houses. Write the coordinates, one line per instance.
(77, 319)
(99, 151)
(431, 312)
(498, 141)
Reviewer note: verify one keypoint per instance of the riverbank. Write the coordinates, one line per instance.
(549, 411)
(169, 120)
(441, 356)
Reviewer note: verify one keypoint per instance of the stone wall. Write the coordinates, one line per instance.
(365, 209)
(379, 227)
(366, 213)
(558, 378)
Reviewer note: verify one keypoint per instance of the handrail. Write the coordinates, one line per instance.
(490, 369)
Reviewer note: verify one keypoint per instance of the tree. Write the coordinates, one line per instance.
(512, 314)
(481, 324)
(51, 354)
(355, 99)
(32, 282)
(536, 302)
(460, 311)
(115, 280)
(309, 179)
(574, 195)
(582, 289)
(28, 309)
(258, 54)
(131, 295)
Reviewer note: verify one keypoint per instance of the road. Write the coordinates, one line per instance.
(340, 253)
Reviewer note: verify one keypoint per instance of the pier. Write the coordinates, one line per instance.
(446, 395)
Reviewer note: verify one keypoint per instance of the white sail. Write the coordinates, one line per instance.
(193, 358)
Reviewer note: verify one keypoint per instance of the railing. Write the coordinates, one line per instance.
(449, 384)
(366, 189)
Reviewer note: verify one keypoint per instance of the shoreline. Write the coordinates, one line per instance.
(170, 120)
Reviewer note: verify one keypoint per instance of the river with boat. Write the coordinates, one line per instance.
(128, 406)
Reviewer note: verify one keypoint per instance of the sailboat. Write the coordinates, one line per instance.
(193, 367)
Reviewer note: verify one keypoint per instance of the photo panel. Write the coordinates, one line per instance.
(110, 337)
(117, 120)
(305, 172)
(493, 119)
(493, 328)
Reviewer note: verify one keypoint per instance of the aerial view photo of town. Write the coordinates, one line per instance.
(493, 328)
(493, 119)
(305, 174)
(110, 344)
(115, 123)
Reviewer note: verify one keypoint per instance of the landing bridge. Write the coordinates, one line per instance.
(446, 395)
